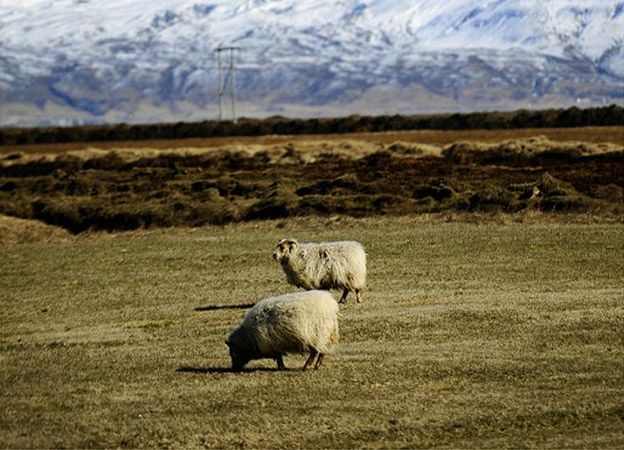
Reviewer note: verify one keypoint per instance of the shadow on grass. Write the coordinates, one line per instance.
(188, 369)
(218, 307)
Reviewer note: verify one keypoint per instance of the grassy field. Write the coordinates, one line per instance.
(471, 335)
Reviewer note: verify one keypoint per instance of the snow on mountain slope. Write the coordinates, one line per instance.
(139, 60)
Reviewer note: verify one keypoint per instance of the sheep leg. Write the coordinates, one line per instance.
(358, 295)
(280, 363)
(319, 361)
(343, 299)
(310, 360)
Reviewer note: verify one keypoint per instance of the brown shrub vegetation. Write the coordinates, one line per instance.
(119, 190)
(570, 117)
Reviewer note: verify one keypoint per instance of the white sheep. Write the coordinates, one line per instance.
(324, 265)
(299, 322)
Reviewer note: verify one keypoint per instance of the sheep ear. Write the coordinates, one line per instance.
(293, 244)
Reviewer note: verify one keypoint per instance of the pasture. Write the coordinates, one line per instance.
(503, 332)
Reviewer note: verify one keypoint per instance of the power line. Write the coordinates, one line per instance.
(226, 78)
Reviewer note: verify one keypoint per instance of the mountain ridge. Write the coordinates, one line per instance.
(81, 61)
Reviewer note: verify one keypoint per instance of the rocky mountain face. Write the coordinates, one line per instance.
(90, 61)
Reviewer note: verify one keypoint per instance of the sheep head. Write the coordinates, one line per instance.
(284, 248)
(239, 354)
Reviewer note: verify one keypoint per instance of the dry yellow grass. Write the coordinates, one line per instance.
(17, 231)
(500, 333)
(311, 148)
(612, 134)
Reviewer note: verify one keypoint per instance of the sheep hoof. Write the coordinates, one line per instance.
(310, 360)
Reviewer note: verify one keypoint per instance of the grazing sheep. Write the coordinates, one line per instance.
(300, 322)
(324, 265)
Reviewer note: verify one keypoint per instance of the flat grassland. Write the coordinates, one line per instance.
(471, 335)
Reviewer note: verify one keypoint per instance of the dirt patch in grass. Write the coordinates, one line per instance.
(125, 189)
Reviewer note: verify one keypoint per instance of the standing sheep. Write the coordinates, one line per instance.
(324, 265)
(300, 322)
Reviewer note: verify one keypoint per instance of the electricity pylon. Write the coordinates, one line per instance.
(227, 79)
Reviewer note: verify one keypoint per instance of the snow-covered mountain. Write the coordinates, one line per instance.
(68, 61)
